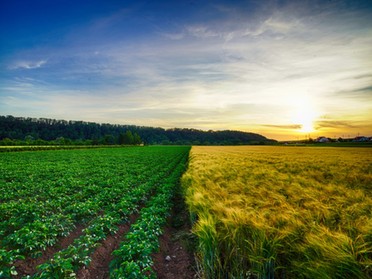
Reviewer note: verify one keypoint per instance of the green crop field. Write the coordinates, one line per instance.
(281, 212)
(45, 195)
(257, 211)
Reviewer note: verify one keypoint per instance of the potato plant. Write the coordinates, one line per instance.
(45, 195)
(133, 258)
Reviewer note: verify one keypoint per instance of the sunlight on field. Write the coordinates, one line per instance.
(298, 212)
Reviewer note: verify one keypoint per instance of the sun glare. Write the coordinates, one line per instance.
(306, 120)
(304, 115)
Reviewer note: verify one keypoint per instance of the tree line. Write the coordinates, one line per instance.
(39, 131)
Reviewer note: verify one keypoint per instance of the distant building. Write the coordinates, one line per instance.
(322, 139)
(361, 139)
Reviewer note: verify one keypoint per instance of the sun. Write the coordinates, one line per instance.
(307, 127)
(304, 115)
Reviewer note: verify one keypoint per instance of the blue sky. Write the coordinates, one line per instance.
(285, 69)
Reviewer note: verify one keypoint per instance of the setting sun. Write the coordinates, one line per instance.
(286, 71)
(307, 126)
(306, 120)
(304, 115)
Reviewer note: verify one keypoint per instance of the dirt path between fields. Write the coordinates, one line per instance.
(177, 245)
(174, 260)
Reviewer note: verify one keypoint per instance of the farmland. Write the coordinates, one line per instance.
(48, 196)
(283, 212)
(257, 211)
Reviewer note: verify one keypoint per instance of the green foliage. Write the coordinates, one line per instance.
(42, 130)
(57, 268)
(262, 253)
(129, 138)
(133, 258)
(7, 258)
(55, 190)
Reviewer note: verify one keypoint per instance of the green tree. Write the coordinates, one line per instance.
(109, 139)
(128, 137)
(29, 139)
(7, 142)
(137, 139)
(121, 138)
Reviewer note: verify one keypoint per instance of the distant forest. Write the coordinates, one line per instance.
(40, 131)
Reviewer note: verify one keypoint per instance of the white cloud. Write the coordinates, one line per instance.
(201, 31)
(25, 64)
(238, 72)
(173, 36)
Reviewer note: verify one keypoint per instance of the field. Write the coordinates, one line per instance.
(69, 202)
(16, 148)
(281, 212)
(257, 211)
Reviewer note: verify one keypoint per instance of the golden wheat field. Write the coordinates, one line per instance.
(283, 212)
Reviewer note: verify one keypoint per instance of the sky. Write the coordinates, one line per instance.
(283, 69)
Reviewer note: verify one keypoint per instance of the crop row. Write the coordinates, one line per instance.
(102, 189)
(133, 258)
(35, 222)
(66, 262)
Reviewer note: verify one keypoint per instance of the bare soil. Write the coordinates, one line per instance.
(174, 260)
(102, 256)
(177, 245)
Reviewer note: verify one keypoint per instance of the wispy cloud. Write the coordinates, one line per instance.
(233, 70)
(367, 89)
(287, 127)
(336, 124)
(201, 31)
(173, 36)
(27, 64)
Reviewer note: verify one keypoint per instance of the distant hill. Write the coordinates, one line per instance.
(39, 130)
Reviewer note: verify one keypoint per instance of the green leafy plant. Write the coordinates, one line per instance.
(7, 258)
